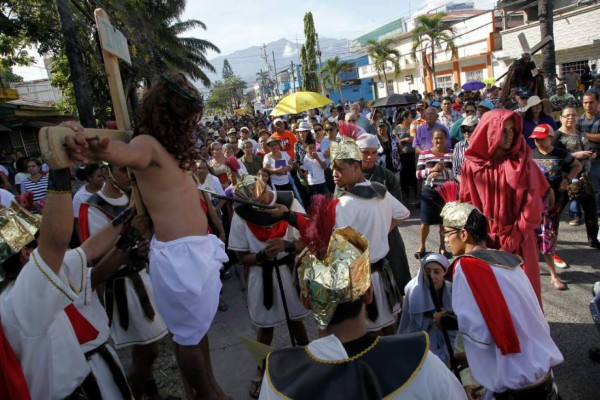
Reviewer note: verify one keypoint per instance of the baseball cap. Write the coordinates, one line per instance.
(436, 104)
(486, 104)
(542, 131)
(524, 94)
(272, 139)
(470, 121)
(381, 122)
(304, 126)
(232, 130)
(244, 128)
(278, 120)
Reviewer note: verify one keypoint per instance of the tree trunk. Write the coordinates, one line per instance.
(545, 8)
(434, 83)
(85, 106)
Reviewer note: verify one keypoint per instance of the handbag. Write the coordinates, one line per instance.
(582, 188)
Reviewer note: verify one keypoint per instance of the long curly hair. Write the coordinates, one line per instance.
(169, 112)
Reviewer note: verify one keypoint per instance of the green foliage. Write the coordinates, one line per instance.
(430, 32)
(7, 76)
(227, 70)
(227, 95)
(381, 53)
(308, 56)
(331, 70)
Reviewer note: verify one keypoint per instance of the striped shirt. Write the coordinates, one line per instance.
(37, 188)
(428, 160)
(458, 156)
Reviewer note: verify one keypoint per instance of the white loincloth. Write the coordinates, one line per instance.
(185, 277)
(386, 314)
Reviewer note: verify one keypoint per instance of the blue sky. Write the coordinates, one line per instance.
(238, 24)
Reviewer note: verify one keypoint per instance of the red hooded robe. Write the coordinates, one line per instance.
(508, 192)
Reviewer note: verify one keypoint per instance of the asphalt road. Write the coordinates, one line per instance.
(567, 312)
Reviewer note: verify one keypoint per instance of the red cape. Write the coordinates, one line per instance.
(508, 192)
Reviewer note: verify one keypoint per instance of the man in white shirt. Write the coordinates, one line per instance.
(506, 336)
(245, 135)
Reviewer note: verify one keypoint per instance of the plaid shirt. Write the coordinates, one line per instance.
(591, 125)
(448, 121)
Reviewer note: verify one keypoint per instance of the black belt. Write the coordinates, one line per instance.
(377, 266)
(115, 292)
(542, 391)
(267, 276)
(114, 369)
(88, 390)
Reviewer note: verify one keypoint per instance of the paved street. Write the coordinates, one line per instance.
(567, 312)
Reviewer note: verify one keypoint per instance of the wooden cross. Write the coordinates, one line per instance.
(526, 49)
(114, 48)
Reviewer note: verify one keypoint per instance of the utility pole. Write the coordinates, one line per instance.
(320, 74)
(266, 59)
(85, 107)
(275, 71)
(293, 75)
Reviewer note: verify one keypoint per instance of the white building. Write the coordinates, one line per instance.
(39, 91)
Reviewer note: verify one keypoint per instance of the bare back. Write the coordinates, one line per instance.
(170, 195)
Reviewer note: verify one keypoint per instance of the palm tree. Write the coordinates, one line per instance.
(262, 78)
(236, 86)
(156, 35)
(381, 52)
(430, 31)
(331, 78)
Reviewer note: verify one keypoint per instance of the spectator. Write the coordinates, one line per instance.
(534, 113)
(313, 168)
(251, 162)
(278, 163)
(35, 183)
(469, 110)
(467, 128)
(589, 126)
(285, 138)
(559, 167)
(408, 179)
(245, 135)
(586, 78)
(389, 143)
(360, 119)
(561, 98)
(22, 174)
(569, 138)
(448, 116)
(572, 80)
(433, 168)
(217, 163)
(418, 120)
(424, 133)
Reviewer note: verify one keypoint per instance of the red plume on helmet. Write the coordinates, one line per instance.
(233, 164)
(350, 130)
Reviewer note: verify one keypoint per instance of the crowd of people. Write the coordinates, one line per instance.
(313, 202)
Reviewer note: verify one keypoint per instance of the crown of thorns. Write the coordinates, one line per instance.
(177, 89)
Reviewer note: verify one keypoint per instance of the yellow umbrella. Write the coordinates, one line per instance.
(298, 102)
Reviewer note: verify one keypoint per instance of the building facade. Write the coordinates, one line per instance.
(352, 87)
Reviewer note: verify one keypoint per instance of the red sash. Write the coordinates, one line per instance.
(13, 385)
(84, 331)
(492, 304)
(82, 219)
(264, 233)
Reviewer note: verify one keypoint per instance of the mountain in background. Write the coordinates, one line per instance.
(247, 62)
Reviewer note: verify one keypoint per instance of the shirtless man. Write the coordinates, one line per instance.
(184, 260)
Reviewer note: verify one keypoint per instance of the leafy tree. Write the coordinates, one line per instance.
(219, 97)
(7, 76)
(430, 32)
(310, 81)
(333, 67)
(262, 78)
(227, 70)
(381, 53)
(236, 86)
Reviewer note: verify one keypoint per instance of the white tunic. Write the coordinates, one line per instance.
(489, 367)
(373, 218)
(80, 197)
(38, 329)
(432, 381)
(141, 330)
(241, 238)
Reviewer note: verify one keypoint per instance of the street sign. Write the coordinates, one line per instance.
(112, 40)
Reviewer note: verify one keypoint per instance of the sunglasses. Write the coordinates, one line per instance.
(329, 129)
(351, 120)
(470, 111)
(450, 232)
(467, 129)
(318, 130)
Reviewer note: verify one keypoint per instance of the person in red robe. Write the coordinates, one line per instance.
(500, 178)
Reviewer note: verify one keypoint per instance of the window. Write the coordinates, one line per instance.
(390, 87)
(443, 81)
(578, 65)
(474, 75)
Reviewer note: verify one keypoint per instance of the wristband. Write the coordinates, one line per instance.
(289, 247)
(127, 239)
(59, 181)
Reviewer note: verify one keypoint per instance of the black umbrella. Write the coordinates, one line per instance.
(396, 100)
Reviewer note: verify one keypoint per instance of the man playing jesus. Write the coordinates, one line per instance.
(184, 259)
